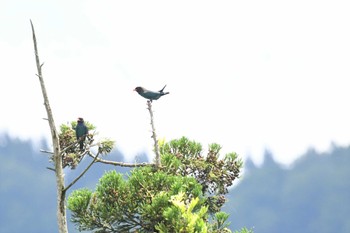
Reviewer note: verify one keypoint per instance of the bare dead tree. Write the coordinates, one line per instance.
(58, 153)
(61, 192)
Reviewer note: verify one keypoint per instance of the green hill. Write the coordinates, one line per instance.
(310, 196)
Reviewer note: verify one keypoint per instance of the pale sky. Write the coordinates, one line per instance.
(249, 75)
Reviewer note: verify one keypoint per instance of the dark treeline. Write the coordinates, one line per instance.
(310, 196)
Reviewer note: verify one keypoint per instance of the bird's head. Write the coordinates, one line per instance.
(139, 89)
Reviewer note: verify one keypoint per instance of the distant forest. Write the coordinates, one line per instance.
(312, 195)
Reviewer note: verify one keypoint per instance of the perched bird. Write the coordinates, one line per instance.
(151, 95)
(81, 131)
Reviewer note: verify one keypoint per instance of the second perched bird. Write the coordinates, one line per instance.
(81, 131)
(151, 95)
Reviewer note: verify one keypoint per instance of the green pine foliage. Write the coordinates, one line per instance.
(182, 217)
(184, 195)
(130, 205)
(215, 174)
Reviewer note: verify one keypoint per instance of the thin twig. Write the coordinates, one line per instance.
(50, 168)
(47, 152)
(154, 136)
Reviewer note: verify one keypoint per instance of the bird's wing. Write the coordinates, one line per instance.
(151, 95)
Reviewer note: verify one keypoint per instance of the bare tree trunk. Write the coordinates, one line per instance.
(61, 192)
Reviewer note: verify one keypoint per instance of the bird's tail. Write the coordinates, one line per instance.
(165, 93)
(163, 89)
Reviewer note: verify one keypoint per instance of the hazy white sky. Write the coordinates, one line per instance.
(249, 75)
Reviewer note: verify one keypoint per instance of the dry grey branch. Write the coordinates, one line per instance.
(154, 136)
(121, 164)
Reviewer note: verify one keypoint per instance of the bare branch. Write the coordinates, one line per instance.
(47, 152)
(81, 174)
(120, 164)
(50, 168)
(154, 136)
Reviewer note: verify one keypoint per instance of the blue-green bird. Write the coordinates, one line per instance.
(81, 131)
(151, 95)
